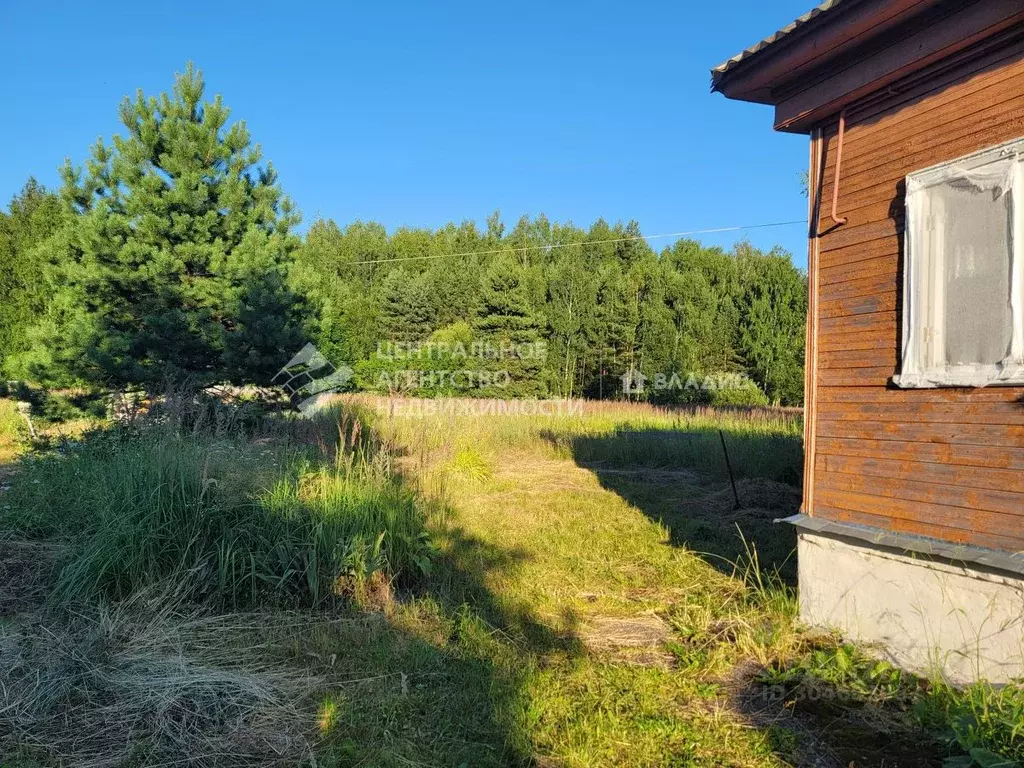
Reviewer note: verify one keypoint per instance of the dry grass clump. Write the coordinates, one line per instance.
(145, 682)
(27, 570)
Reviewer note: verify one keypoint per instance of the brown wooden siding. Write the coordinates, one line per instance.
(945, 463)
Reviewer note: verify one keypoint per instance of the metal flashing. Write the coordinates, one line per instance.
(1011, 562)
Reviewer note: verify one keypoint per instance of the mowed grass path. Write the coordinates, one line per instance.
(566, 624)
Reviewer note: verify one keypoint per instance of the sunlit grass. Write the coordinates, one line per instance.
(577, 522)
(13, 431)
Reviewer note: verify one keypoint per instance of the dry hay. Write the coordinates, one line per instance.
(651, 475)
(758, 498)
(634, 640)
(611, 632)
(26, 572)
(143, 682)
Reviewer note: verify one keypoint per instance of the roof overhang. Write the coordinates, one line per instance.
(845, 49)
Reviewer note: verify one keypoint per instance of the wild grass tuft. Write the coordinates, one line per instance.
(471, 464)
(621, 517)
(239, 523)
(982, 725)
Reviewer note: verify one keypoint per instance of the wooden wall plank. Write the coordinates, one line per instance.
(911, 135)
(1000, 123)
(923, 492)
(1008, 435)
(880, 282)
(964, 395)
(883, 190)
(985, 412)
(930, 472)
(855, 377)
(859, 305)
(878, 339)
(947, 516)
(855, 323)
(885, 264)
(985, 456)
(878, 357)
(966, 94)
(843, 237)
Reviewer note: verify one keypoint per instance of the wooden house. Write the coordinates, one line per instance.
(912, 526)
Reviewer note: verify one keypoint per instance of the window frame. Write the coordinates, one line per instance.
(921, 336)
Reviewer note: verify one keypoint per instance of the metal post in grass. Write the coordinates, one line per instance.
(728, 466)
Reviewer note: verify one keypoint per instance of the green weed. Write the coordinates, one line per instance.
(471, 464)
(985, 722)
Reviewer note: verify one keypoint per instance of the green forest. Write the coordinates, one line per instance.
(175, 253)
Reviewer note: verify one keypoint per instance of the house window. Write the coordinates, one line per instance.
(963, 286)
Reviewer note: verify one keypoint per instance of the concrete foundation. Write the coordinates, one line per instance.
(924, 614)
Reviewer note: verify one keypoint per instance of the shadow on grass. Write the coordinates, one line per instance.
(681, 478)
(442, 675)
(841, 707)
(440, 678)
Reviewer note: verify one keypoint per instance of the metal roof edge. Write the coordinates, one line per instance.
(1007, 562)
(731, 63)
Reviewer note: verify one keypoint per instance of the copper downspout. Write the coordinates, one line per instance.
(839, 163)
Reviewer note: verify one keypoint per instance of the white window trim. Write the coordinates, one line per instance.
(1000, 166)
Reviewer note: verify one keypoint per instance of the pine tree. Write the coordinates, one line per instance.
(179, 256)
(508, 324)
(35, 217)
(405, 311)
(343, 309)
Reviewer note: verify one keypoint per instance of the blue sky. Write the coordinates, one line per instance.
(419, 113)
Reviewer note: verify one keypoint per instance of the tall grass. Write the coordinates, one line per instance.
(751, 452)
(985, 722)
(13, 431)
(226, 520)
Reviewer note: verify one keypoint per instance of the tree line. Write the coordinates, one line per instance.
(173, 253)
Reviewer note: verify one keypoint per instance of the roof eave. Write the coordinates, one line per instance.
(721, 73)
(765, 73)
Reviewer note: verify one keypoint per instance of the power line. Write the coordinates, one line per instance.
(551, 247)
